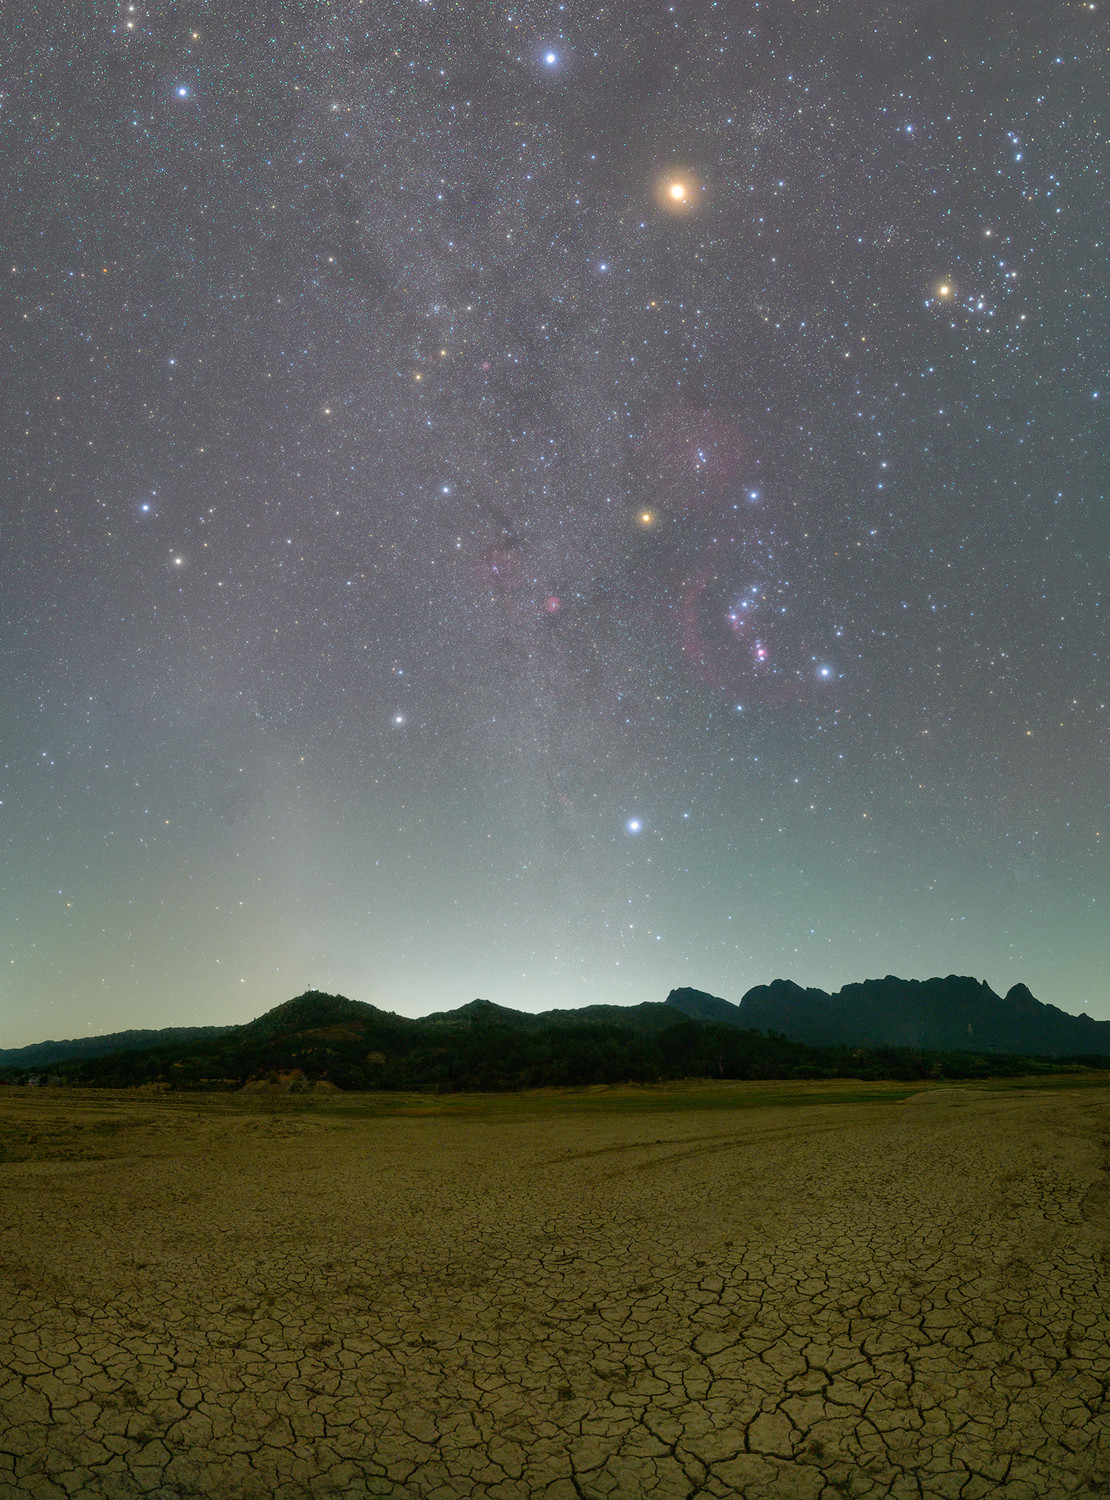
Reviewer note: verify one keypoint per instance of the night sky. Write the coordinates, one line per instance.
(550, 502)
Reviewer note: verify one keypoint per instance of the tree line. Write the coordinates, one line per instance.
(406, 1055)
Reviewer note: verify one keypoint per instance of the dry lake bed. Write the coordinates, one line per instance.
(799, 1291)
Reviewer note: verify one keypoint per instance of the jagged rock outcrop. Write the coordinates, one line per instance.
(956, 1013)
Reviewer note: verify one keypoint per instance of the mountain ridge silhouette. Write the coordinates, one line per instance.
(953, 1013)
(956, 1013)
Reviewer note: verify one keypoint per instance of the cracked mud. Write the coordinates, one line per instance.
(781, 1292)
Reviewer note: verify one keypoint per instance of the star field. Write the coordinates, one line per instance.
(550, 502)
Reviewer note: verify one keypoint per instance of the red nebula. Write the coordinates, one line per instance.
(714, 641)
(696, 456)
(502, 569)
(553, 604)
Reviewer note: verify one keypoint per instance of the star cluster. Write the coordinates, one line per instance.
(552, 502)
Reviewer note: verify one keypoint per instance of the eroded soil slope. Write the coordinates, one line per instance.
(787, 1292)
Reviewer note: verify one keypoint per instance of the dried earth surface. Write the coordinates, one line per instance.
(780, 1292)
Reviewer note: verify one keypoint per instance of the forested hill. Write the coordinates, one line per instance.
(319, 1040)
(39, 1054)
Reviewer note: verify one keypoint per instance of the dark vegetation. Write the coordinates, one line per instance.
(38, 1054)
(485, 1047)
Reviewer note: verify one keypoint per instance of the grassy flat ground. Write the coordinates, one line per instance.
(798, 1291)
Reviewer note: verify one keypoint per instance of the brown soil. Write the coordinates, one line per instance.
(800, 1292)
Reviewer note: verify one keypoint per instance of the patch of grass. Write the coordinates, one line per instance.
(618, 1099)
